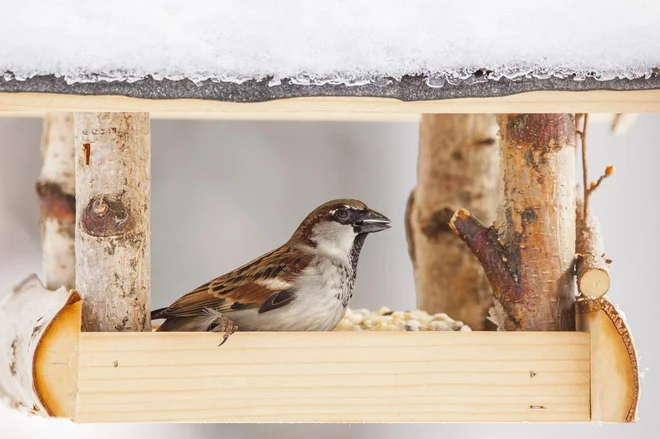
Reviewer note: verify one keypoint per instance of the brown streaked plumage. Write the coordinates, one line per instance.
(303, 285)
(240, 286)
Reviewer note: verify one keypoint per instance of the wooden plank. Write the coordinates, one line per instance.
(342, 108)
(334, 377)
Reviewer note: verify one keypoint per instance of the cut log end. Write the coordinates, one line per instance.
(459, 215)
(39, 331)
(56, 362)
(469, 229)
(593, 276)
(614, 361)
(594, 282)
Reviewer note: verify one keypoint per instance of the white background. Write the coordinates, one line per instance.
(225, 192)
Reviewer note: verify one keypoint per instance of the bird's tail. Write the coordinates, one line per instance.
(203, 322)
(155, 314)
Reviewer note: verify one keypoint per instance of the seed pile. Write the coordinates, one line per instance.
(387, 320)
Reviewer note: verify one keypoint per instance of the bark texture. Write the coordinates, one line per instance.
(113, 220)
(28, 329)
(528, 255)
(458, 167)
(57, 202)
(593, 274)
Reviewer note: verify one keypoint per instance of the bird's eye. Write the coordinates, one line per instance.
(341, 214)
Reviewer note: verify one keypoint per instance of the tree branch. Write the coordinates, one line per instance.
(609, 171)
(529, 261)
(593, 276)
(485, 245)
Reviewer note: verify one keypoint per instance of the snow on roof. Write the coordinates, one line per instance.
(387, 47)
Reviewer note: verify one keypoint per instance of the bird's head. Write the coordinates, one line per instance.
(339, 227)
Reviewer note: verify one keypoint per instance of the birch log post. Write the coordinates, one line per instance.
(458, 167)
(528, 255)
(57, 202)
(113, 220)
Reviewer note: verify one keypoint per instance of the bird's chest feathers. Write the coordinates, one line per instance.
(328, 281)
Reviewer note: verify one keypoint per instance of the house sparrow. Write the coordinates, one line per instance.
(304, 285)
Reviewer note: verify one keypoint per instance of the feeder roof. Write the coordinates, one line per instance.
(246, 52)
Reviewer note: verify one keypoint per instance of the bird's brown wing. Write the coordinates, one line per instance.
(264, 283)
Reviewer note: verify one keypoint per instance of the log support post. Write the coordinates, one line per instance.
(458, 167)
(113, 220)
(528, 255)
(57, 202)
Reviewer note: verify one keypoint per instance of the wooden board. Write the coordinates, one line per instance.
(334, 377)
(340, 108)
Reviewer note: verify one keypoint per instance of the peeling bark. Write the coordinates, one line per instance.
(528, 255)
(57, 202)
(458, 167)
(113, 220)
(33, 320)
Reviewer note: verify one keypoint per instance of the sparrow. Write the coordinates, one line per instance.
(304, 285)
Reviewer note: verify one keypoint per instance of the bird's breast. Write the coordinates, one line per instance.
(328, 279)
(323, 291)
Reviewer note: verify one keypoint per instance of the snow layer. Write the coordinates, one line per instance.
(339, 42)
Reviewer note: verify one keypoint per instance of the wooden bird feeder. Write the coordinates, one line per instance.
(79, 344)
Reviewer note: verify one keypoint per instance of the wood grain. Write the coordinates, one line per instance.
(342, 108)
(38, 348)
(334, 377)
(614, 361)
(56, 361)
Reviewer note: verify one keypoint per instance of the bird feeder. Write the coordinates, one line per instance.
(79, 343)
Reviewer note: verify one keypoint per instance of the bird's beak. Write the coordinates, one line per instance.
(372, 221)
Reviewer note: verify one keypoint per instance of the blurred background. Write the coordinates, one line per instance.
(225, 192)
